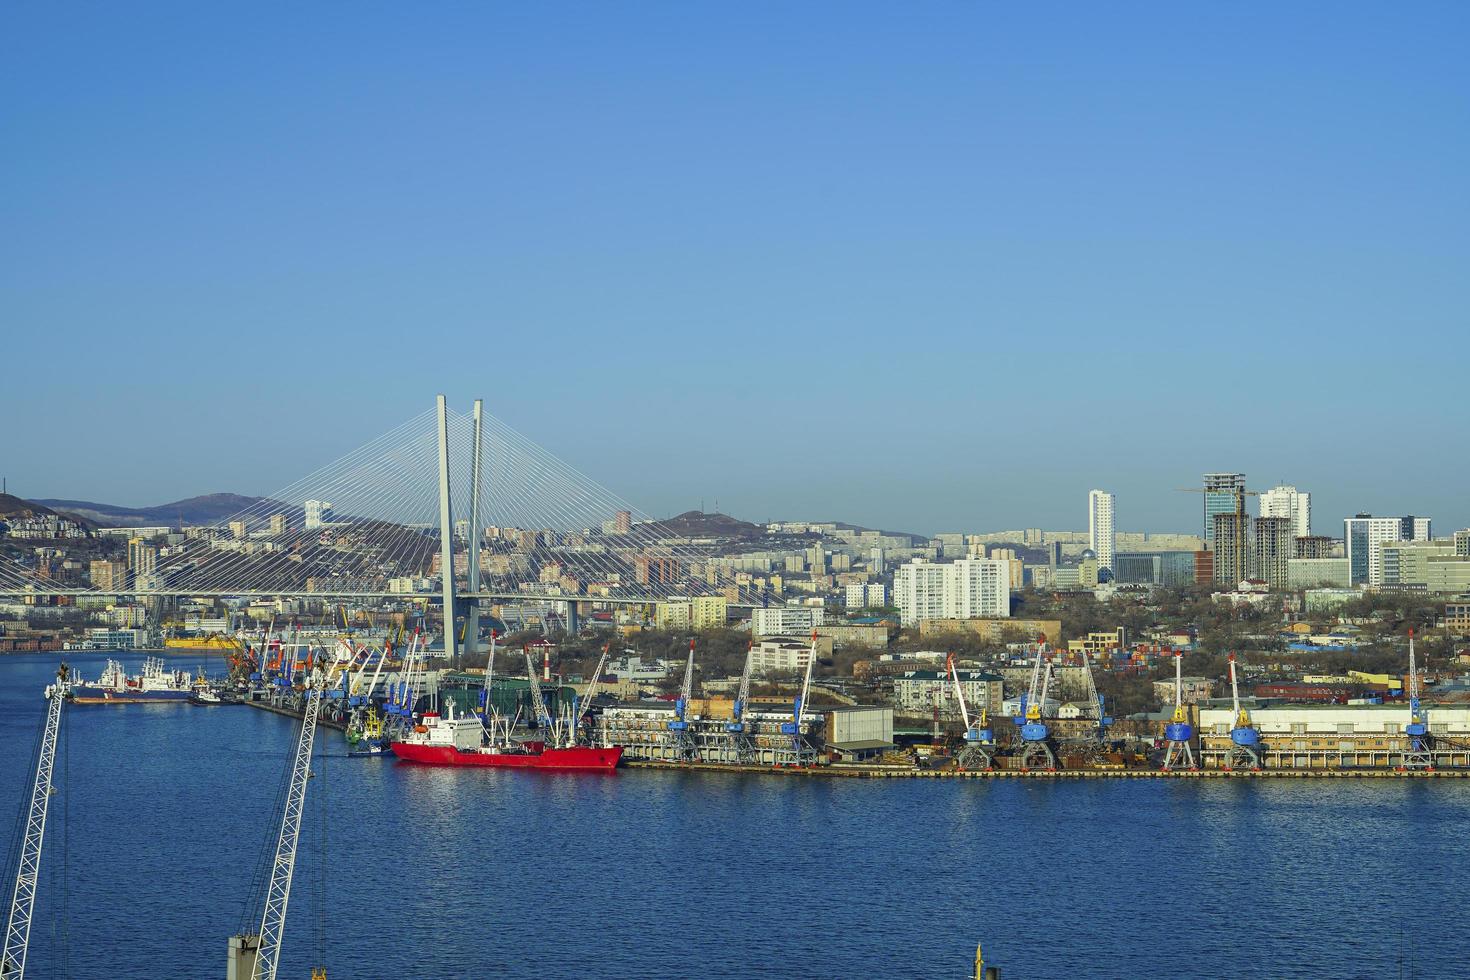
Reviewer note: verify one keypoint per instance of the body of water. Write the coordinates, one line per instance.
(414, 872)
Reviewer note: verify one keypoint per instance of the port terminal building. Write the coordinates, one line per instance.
(1334, 736)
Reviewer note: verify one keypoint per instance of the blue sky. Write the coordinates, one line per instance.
(928, 266)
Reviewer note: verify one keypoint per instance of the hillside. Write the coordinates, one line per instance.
(697, 524)
(11, 504)
(208, 509)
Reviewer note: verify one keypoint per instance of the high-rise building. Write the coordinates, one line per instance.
(1291, 503)
(1364, 536)
(1100, 534)
(1274, 547)
(1462, 543)
(1224, 494)
(237, 530)
(1315, 546)
(622, 522)
(142, 557)
(1231, 541)
(965, 589)
(108, 576)
(278, 525)
(318, 512)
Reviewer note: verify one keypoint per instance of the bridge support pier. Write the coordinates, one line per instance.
(446, 538)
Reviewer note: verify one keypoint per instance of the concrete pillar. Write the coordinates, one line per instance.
(446, 538)
(241, 962)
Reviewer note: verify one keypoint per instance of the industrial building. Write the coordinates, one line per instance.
(642, 729)
(1330, 736)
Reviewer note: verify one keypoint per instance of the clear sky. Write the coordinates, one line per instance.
(930, 266)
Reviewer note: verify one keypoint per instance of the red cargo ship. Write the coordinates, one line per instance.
(452, 741)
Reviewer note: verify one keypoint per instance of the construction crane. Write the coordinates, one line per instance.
(28, 869)
(257, 955)
(685, 748)
(1244, 752)
(801, 752)
(742, 732)
(1238, 551)
(1419, 754)
(1179, 731)
(1036, 750)
(979, 749)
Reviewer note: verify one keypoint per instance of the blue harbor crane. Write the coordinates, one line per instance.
(979, 749)
(685, 747)
(741, 729)
(1245, 741)
(1178, 732)
(28, 865)
(1420, 753)
(802, 753)
(1036, 750)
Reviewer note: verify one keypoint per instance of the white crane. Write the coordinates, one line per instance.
(580, 708)
(1244, 751)
(979, 738)
(1179, 731)
(28, 870)
(538, 702)
(257, 956)
(801, 752)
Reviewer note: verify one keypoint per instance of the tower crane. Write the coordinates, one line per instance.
(1419, 754)
(1036, 750)
(1179, 731)
(979, 749)
(742, 732)
(257, 955)
(685, 748)
(28, 868)
(1244, 752)
(802, 753)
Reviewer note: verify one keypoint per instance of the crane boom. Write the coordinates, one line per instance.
(744, 695)
(591, 691)
(273, 920)
(28, 871)
(538, 700)
(959, 692)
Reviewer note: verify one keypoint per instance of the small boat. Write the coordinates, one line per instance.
(205, 696)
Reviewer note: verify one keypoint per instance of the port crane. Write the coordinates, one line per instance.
(583, 705)
(1179, 731)
(801, 752)
(1036, 750)
(1244, 751)
(1419, 754)
(685, 749)
(28, 868)
(538, 703)
(256, 956)
(741, 731)
(979, 750)
(1093, 743)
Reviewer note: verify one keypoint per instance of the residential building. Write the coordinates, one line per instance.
(1462, 543)
(318, 513)
(1315, 546)
(871, 635)
(1308, 573)
(963, 589)
(1291, 503)
(1406, 563)
(1274, 545)
(708, 612)
(1364, 536)
(109, 576)
(237, 530)
(866, 595)
(1231, 544)
(780, 654)
(277, 525)
(919, 692)
(997, 629)
(1100, 533)
(142, 557)
(623, 522)
(1457, 616)
(786, 620)
(1224, 494)
(1194, 689)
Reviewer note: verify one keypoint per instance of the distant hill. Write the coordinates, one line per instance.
(211, 508)
(11, 504)
(697, 524)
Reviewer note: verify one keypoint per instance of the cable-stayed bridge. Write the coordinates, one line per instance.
(443, 490)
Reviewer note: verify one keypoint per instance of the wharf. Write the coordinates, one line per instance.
(322, 721)
(898, 772)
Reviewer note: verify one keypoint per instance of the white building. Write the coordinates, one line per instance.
(866, 595)
(919, 692)
(786, 620)
(780, 653)
(1365, 535)
(1100, 534)
(966, 589)
(1291, 503)
(318, 512)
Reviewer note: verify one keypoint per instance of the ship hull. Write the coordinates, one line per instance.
(579, 759)
(98, 695)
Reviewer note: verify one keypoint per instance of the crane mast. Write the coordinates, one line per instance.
(1419, 754)
(741, 730)
(1178, 732)
(685, 749)
(538, 700)
(801, 752)
(261, 952)
(1036, 750)
(1244, 751)
(979, 739)
(28, 870)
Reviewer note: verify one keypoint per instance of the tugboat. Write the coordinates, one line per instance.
(154, 684)
(452, 740)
